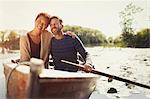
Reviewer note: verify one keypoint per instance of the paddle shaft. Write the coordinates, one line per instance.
(108, 75)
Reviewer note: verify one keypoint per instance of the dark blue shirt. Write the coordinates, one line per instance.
(67, 49)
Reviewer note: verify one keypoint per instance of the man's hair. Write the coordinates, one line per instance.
(44, 15)
(56, 17)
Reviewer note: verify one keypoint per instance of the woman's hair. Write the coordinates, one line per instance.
(44, 15)
(47, 16)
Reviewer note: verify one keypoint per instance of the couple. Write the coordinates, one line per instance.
(39, 43)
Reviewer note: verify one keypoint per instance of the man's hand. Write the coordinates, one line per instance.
(87, 68)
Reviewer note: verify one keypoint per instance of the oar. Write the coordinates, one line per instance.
(108, 75)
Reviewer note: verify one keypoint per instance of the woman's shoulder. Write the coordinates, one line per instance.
(47, 33)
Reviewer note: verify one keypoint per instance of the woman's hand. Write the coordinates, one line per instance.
(72, 34)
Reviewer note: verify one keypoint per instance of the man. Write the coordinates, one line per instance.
(64, 47)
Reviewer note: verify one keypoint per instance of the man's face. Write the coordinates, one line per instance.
(41, 23)
(55, 26)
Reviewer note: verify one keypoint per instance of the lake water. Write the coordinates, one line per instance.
(129, 63)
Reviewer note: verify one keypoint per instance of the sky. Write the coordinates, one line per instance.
(96, 14)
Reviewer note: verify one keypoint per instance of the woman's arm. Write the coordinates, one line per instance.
(24, 49)
(72, 34)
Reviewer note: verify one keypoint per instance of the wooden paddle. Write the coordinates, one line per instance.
(108, 75)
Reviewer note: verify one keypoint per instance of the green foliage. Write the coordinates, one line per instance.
(127, 18)
(143, 38)
(139, 40)
(119, 42)
(12, 36)
(2, 35)
(10, 41)
(110, 40)
(128, 39)
(88, 36)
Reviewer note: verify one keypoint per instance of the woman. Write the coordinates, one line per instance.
(36, 42)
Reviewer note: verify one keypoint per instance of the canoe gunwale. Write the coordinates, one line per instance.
(66, 79)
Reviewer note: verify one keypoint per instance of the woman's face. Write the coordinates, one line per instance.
(41, 23)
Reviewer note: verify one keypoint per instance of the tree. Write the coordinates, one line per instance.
(2, 35)
(119, 42)
(143, 38)
(9, 40)
(12, 36)
(127, 18)
(13, 40)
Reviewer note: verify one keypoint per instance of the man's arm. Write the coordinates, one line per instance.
(85, 55)
(81, 49)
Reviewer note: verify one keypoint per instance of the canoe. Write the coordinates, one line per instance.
(52, 84)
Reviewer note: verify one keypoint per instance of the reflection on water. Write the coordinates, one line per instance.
(133, 64)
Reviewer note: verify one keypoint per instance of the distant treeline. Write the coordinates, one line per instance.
(140, 39)
(90, 37)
